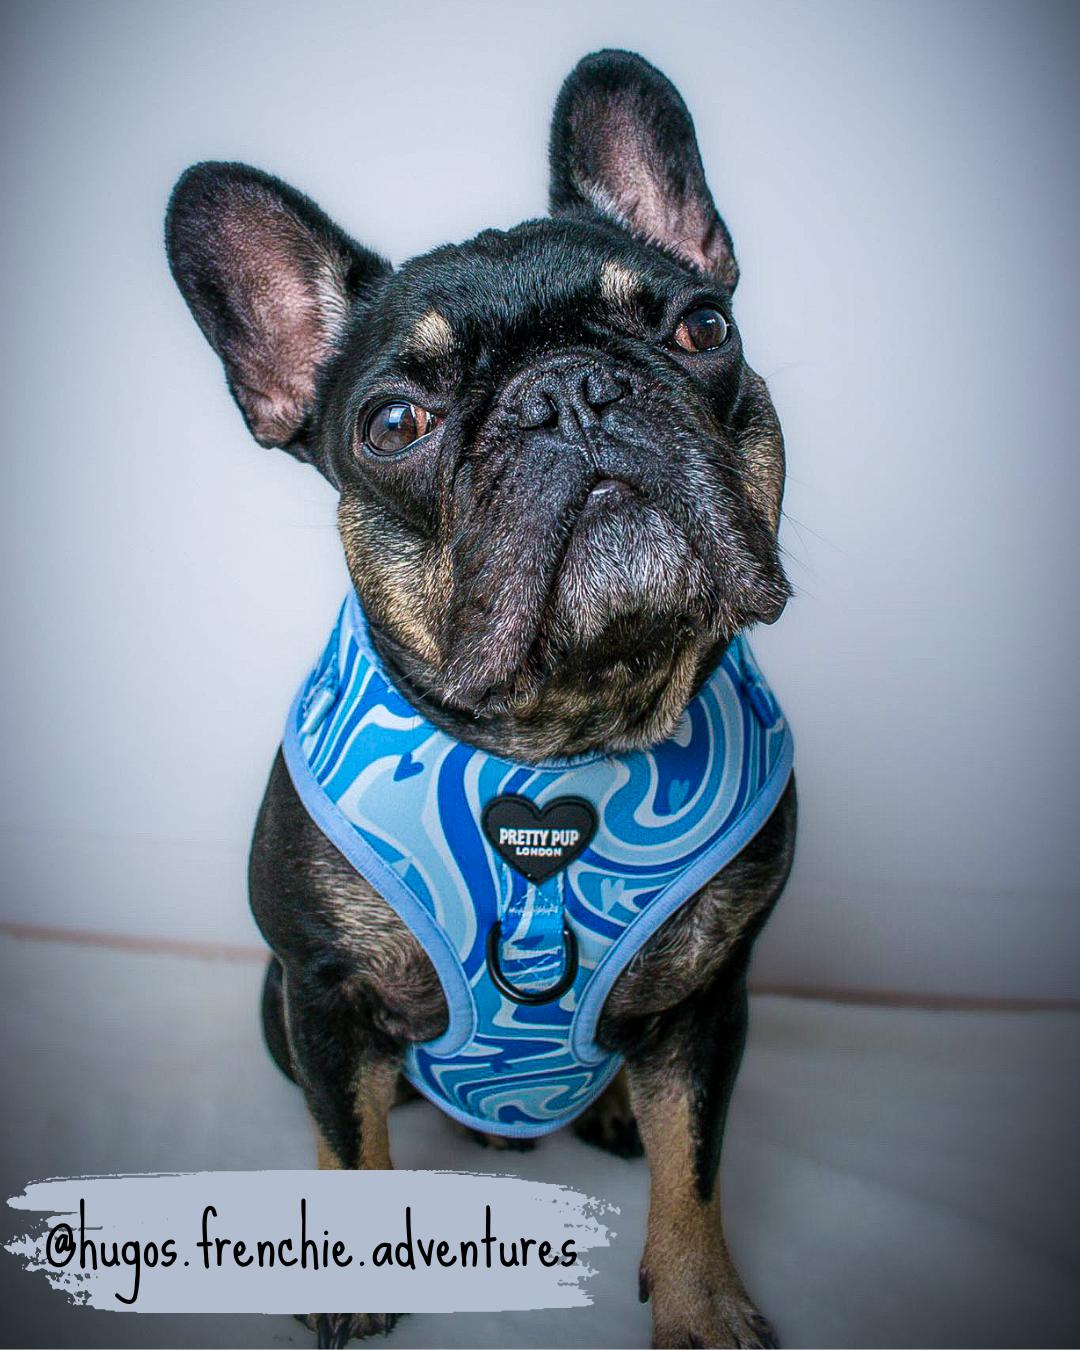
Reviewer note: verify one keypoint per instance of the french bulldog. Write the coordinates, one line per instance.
(559, 490)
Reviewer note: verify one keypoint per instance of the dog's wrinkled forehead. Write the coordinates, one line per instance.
(541, 285)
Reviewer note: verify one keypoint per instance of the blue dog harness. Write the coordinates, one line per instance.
(530, 886)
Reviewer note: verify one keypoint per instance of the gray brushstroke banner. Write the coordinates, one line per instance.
(407, 1241)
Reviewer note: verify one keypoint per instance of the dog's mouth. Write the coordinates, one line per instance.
(606, 494)
(591, 520)
(626, 572)
(627, 563)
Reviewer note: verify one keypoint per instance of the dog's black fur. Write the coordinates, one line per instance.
(554, 569)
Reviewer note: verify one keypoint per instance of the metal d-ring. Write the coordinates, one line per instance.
(503, 985)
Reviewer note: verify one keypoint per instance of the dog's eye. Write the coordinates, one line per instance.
(395, 426)
(701, 330)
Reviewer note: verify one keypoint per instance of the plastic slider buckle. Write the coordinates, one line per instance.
(768, 714)
(317, 704)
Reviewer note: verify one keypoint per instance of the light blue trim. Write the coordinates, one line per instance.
(625, 947)
(344, 836)
(518, 1130)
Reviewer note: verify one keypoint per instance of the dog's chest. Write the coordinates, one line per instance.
(381, 954)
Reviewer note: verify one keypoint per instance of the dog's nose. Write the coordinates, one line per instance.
(568, 396)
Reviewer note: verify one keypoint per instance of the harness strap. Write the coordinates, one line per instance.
(532, 944)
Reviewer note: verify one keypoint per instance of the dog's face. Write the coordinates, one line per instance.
(559, 480)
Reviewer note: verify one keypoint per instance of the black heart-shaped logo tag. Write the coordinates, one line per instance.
(538, 843)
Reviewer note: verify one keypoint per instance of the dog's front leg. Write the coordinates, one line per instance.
(349, 1071)
(680, 1082)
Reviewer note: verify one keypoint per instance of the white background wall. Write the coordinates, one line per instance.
(901, 182)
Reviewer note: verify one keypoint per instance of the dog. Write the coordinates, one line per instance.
(559, 488)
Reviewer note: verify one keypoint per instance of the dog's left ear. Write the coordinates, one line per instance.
(623, 144)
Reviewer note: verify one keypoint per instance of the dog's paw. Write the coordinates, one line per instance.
(338, 1329)
(719, 1317)
(609, 1124)
(722, 1323)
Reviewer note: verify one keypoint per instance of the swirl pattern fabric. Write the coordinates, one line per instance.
(404, 802)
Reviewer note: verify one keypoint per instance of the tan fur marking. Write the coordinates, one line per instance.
(432, 336)
(697, 1295)
(325, 1156)
(375, 1094)
(762, 446)
(618, 285)
(389, 585)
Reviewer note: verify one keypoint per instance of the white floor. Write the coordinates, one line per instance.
(892, 1178)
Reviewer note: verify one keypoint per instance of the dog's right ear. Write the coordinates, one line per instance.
(270, 281)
